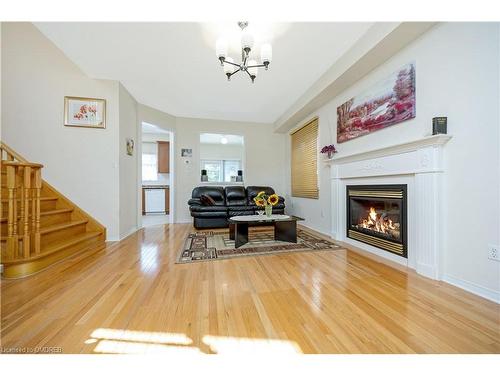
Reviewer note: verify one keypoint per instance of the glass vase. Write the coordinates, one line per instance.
(269, 210)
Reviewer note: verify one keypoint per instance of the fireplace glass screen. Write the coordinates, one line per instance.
(376, 215)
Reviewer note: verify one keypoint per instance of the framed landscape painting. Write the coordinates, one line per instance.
(84, 112)
(389, 102)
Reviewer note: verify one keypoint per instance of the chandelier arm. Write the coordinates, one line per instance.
(231, 63)
(236, 71)
(249, 74)
(256, 66)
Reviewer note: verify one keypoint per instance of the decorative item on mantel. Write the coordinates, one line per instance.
(266, 201)
(329, 150)
(439, 125)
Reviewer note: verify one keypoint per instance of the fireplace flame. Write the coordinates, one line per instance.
(378, 223)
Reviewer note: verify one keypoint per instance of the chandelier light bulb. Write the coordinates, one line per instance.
(246, 41)
(266, 53)
(221, 48)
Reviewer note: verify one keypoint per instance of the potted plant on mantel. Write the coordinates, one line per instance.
(329, 150)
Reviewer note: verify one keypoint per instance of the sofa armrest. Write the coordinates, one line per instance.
(281, 199)
(194, 202)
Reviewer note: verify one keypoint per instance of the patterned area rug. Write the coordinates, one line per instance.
(212, 245)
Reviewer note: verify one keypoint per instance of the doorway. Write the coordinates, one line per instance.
(156, 177)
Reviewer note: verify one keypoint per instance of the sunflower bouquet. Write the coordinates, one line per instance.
(267, 201)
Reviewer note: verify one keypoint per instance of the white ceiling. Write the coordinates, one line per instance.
(172, 66)
(153, 129)
(210, 138)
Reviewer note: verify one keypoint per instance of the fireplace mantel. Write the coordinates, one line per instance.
(420, 165)
(433, 140)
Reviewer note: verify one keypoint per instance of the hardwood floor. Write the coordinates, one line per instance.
(132, 297)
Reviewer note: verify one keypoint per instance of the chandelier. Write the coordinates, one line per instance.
(247, 65)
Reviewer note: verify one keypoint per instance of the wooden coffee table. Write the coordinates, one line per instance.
(285, 227)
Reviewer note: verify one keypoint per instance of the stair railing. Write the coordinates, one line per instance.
(23, 183)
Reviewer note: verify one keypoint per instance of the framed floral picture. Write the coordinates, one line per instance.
(389, 102)
(84, 112)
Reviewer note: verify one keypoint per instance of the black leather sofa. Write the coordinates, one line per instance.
(228, 201)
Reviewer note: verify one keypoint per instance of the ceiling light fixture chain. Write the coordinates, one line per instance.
(247, 65)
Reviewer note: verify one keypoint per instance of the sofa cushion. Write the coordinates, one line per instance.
(208, 208)
(215, 192)
(209, 214)
(207, 200)
(239, 208)
(279, 206)
(236, 196)
(248, 211)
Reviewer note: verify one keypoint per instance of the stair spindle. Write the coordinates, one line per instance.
(12, 240)
(37, 185)
(25, 199)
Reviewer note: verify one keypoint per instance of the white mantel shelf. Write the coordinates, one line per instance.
(433, 140)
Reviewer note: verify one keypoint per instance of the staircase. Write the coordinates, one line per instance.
(39, 226)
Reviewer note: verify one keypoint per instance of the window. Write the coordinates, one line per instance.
(305, 161)
(221, 155)
(149, 167)
(221, 170)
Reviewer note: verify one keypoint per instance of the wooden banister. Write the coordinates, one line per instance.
(9, 154)
(23, 183)
(40, 226)
(22, 164)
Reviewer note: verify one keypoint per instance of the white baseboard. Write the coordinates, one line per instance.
(314, 229)
(479, 290)
(117, 238)
(426, 270)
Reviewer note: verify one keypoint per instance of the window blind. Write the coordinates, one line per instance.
(305, 161)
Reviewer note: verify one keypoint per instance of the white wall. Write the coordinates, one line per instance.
(81, 163)
(128, 169)
(89, 166)
(155, 117)
(264, 156)
(457, 75)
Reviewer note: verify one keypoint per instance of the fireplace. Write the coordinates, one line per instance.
(376, 215)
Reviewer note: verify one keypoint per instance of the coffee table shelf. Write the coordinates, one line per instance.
(285, 227)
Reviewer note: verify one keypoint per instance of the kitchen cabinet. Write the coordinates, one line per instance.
(163, 157)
